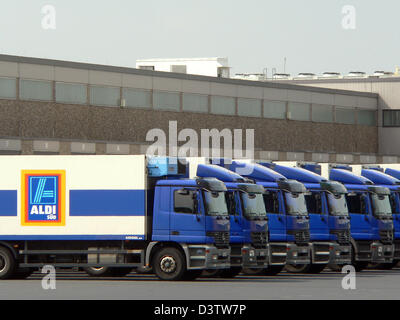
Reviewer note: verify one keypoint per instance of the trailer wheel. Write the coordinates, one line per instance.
(7, 263)
(98, 271)
(169, 264)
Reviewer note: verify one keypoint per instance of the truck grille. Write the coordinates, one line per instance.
(300, 236)
(386, 236)
(343, 236)
(221, 238)
(259, 239)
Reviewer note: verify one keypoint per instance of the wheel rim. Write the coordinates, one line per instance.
(168, 264)
(97, 268)
(3, 263)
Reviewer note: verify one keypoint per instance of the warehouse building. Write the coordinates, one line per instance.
(61, 107)
(386, 85)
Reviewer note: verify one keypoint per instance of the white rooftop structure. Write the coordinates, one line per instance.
(213, 67)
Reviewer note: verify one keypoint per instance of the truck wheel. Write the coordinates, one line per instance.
(191, 275)
(169, 264)
(231, 272)
(384, 266)
(272, 270)
(297, 268)
(7, 263)
(98, 271)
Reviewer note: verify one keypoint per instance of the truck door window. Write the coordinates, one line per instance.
(314, 203)
(356, 203)
(271, 202)
(231, 203)
(394, 202)
(184, 201)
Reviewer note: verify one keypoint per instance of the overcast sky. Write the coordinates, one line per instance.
(253, 34)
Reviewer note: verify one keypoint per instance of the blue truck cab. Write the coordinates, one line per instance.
(379, 178)
(248, 219)
(190, 213)
(288, 219)
(371, 218)
(329, 217)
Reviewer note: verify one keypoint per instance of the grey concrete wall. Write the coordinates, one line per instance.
(43, 120)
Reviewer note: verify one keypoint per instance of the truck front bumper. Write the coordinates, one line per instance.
(375, 252)
(298, 254)
(255, 257)
(340, 253)
(382, 253)
(277, 253)
(207, 257)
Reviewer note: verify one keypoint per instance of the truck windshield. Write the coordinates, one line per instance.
(337, 205)
(215, 203)
(253, 205)
(295, 204)
(381, 205)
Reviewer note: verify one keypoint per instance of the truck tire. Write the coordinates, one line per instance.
(383, 266)
(98, 271)
(230, 273)
(358, 265)
(297, 268)
(7, 263)
(169, 264)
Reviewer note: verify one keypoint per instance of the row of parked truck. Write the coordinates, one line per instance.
(180, 218)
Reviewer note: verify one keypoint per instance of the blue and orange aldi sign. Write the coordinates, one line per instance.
(43, 197)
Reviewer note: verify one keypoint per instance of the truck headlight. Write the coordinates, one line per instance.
(214, 257)
(251, 253)
(380, 249)
(294, 254)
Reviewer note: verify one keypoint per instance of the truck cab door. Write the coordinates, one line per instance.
(274, 207)
(235, 216)
(187, 220)
(319, 222)
(360, 218)
(395, 204)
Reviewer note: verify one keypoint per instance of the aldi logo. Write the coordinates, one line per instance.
(43, 197)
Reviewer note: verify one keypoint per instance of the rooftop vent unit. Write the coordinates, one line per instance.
(356, 74)
(281, 76)
(331, 75)
(305, 75)
(383, 74)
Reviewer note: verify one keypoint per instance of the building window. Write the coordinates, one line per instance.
(166, 101)
(104, 96)
(391, 118)
(367, 117)
(249, 107)
(178, 68)
(322, 113)
(195, 102)
(223, 105)
(8, 88)
(36, 90)
(345, 116)
(71, 93)
(299, 111)
(274, 109)
(136, 98)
